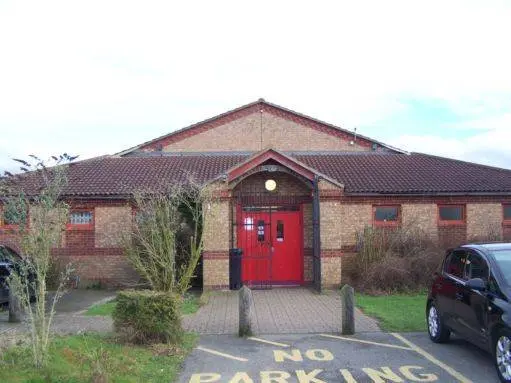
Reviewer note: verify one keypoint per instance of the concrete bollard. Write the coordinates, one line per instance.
(14, 308)
(348, 310)
(246, 306)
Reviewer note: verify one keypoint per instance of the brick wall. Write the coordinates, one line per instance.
(278, 133)
(216, 226)
(341, 218)
(353, 218)
(216, 273)
(108, 269)
(421, 215)
(484, 221)
(111, 224)
(330, 223)
(331, 271)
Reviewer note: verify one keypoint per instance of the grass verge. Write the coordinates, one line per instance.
(399, 312)
(97, 358)
(189, 306)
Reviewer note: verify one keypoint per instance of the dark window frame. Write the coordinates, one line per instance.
(449, 222)
(395, 222)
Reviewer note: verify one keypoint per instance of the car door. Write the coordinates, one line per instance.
(445, 287)
(471, 306)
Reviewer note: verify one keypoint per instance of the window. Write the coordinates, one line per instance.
(260, 230)
(476, 267)
(80, 219)
(386, 215)
(506, 209)
(451, 214)
(280, 231)
(455, 263)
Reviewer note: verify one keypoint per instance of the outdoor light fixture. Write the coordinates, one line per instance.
(270, 185)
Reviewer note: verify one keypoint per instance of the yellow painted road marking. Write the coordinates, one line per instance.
(268, 341)
(221, 354)
(367, 342)
(451, 371)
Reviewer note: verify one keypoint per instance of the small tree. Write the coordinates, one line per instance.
(152, 244)
(32, 201)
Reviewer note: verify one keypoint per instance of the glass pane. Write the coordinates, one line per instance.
(476, 267)
(280, 231)
(386, 213)
(507, 212)
(455, 263)
(451, 213)
(503, 258)
(260, 230)
(248, 222)
(80, 217)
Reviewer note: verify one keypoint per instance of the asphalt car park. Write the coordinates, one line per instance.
(317, 358)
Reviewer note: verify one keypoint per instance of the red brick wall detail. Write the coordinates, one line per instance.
(331, 253)
(215, 255)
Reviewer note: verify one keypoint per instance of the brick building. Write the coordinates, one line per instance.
(290, 191)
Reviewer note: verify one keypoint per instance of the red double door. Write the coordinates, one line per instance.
(272, 243)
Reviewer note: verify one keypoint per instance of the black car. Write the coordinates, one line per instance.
(471, 296)
(9, 263)
(5, 271)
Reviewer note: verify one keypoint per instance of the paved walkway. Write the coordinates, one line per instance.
(68, 319)
(277, 311)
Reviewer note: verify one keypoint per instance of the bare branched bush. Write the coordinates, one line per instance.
(395, 258)
(40, 217)
(165, 243)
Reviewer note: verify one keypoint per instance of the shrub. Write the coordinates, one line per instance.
(395, 259)
(146, 316)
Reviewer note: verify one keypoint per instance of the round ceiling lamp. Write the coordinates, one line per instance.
(270, 185)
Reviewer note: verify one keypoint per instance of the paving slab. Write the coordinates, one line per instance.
(277, 311)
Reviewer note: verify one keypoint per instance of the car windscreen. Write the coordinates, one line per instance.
(503, 258)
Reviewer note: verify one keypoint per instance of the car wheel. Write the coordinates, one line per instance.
(502, 354)
(438, 332)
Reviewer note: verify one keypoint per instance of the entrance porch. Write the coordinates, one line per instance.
(284, 218)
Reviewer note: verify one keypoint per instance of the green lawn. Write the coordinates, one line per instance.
(399, 312)
(97, 358)
(189, 306)
(104, 309)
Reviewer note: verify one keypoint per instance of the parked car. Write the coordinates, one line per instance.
(471, 296)
(5, 271)
(8, 265)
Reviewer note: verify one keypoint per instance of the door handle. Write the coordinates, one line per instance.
(459, 296)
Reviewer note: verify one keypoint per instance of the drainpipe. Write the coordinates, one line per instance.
(316, 238)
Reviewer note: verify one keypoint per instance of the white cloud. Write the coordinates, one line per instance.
(100, 76)
(490, 147)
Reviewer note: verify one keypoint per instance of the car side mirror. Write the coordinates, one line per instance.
(476, 284)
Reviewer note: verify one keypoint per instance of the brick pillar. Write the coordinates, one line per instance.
(216, 245)
(331, 243)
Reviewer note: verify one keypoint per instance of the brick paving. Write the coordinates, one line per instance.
(277, 311)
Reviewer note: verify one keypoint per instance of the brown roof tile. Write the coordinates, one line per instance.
(365, 173)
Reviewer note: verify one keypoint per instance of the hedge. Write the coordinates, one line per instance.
(146, 316)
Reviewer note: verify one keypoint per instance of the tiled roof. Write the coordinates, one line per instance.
(367, 173)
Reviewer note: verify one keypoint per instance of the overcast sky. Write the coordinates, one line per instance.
(92, 78)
